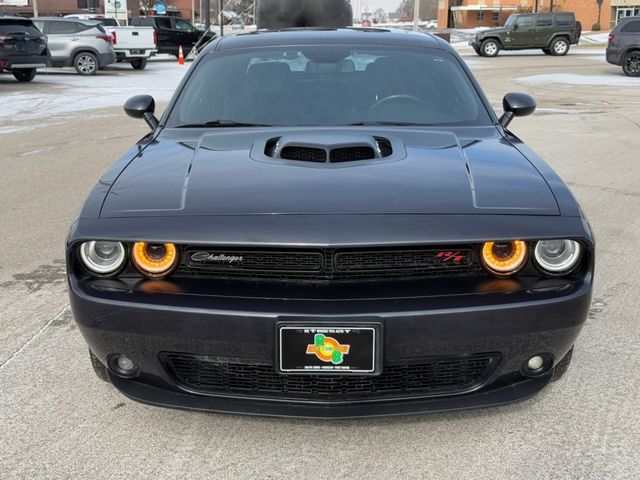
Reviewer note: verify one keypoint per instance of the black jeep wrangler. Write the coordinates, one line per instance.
(552, 32)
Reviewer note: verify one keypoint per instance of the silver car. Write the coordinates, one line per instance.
(82, 44)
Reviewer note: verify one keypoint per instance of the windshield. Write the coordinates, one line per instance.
(328, 85)
(511, 21)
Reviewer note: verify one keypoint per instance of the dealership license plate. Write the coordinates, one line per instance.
(324, 349)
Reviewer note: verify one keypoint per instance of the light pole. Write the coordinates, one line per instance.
(35, 8)
(416, 14)
(221, 3)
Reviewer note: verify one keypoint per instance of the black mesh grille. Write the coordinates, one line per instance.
(328, 264)
(304, 154)
(438, 375)
(349, 154)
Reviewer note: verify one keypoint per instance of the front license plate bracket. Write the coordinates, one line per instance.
(336, 348)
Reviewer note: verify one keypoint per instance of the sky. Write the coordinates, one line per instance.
(388, 5)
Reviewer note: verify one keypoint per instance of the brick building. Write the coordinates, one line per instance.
(488, 13)
(46, 8)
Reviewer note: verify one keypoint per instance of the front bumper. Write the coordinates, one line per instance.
(512, 326)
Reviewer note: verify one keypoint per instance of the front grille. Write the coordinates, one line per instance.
(329, 264)
(431, 376)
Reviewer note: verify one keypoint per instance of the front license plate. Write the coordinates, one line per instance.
(328, 349)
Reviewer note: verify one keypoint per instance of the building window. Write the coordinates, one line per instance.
(495, 17)
(480, 16)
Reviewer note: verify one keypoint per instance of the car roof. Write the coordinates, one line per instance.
(14, 18)
(329, 36)
(628, 19)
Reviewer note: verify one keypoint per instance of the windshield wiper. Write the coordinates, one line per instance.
(398, 124)
(221, 123)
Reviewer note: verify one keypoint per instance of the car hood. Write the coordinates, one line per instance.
(492, 31)
(226, 172)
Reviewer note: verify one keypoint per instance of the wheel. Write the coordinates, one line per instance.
(631, 64)
(24, 74)
(546, 51)
(99, 368)
(559, 47)
(489, 48)
(477, 50)
(86, 63)
(139, 63)
(562, 366)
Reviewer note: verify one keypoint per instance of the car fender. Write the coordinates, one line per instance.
(632, 48)
(78, 50)
(493, 37)
(555, 36)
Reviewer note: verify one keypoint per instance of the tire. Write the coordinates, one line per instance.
(546, 51)
(86, 63)
(24, 74)
(631, 64)
(139, 63)
(562, 366)
(477, 50)
(559, 47)
(490, 48)
(99, 368)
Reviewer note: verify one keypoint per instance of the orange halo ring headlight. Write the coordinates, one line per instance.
(154, 260)
(504, 258)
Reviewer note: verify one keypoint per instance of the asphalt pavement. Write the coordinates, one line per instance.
(57, 420)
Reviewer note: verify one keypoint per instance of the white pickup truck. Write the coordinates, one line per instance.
(131, 44)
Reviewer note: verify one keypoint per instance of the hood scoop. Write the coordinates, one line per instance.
(328, 148)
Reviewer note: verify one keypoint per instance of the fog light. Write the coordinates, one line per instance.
(123, 366)
(126, 364)
(535, 363)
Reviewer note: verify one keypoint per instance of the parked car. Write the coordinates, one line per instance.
(131, 44)
(23, 48)
(432, 24)
(624, 46)
(174, 33)
(102, 19)
(82, 44)
(299, 238)
(554, 33)
(237, 23)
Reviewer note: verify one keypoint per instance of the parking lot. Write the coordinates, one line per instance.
(59, 133)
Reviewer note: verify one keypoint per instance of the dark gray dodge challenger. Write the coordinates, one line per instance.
(330, 223)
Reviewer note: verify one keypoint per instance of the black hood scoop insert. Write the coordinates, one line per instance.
(328, 148)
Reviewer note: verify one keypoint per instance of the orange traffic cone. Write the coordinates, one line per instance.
(180, 56)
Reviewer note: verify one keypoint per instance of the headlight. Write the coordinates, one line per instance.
(557, 256)
(504, 258)
(155, 260)
(102, 257)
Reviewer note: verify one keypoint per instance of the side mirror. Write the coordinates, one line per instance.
(516, 105)
(142, 106)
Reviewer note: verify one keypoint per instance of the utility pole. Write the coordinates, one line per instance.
(35, 8)
(416, 14)
(221, 3)
(207, 14)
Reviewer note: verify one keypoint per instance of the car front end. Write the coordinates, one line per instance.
(357, 261)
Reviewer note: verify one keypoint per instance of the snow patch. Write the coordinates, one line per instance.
(573, 79)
